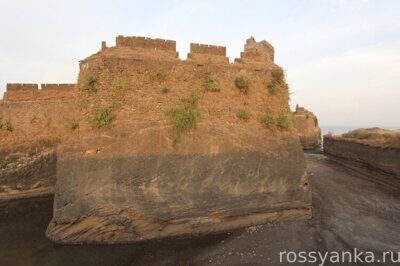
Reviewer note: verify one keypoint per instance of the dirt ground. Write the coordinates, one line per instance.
(348, 212)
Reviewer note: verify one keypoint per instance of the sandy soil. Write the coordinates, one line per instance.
(348, 212)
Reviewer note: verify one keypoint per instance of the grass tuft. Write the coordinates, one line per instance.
(278, 81)
(165, 90)
(211, 84)
(161, 74)
(285, 121)
(185, 118)
(267, 120)
(273, 86)
(72, 125)
(6, 126)
(244, 114)
(90, 84)
(101, 117)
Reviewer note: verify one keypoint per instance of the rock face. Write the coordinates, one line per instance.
(307, 128)
(374, 152)
(153, 146)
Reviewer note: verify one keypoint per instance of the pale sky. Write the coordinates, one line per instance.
(342, 57)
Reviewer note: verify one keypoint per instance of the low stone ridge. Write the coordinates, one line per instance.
(374, 152)
(151, 146)
(307, 128)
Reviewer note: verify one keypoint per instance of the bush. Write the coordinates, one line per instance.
(210, 84)
(72, 125)
(285, 121)
(243, 83)
(277, 74)
(6, 126)
(161, 74)
(165, 90)
(101, 117)
(273, 86)
(185, 118)
(90, 84)
(244, 114)
(267, 120)
(192, 100)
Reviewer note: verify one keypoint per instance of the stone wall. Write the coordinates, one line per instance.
(17, 92)
(130, 181)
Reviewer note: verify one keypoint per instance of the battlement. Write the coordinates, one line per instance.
(207, 49)
(146, 43)
(22, 87)
(207, 53)
(19, 92)
(58, 87)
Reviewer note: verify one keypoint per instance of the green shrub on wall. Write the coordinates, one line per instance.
(244, 114)
(267, 120)
(243, 83)
(184, 118)
(101, 116)
(211, 84)
(89, 84)
(286, 121)
(165, 90)
(6, 126)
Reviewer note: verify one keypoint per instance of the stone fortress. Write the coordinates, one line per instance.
(147, 145)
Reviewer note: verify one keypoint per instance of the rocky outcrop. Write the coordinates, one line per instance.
(307, 128)
(372, 152)
(169, 147)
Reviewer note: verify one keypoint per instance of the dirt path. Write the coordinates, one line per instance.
(348, 212)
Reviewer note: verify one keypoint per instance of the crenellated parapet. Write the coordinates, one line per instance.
(20, 92)
(58, 87)
(207, 53)
(22, 87)
(147, 43)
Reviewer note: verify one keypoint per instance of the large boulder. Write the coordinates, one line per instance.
(170, 147)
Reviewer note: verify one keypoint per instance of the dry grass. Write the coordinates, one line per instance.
(374, 133)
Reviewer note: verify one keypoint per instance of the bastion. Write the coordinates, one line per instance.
(147, 145)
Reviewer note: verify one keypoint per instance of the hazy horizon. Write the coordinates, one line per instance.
(342, 57)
